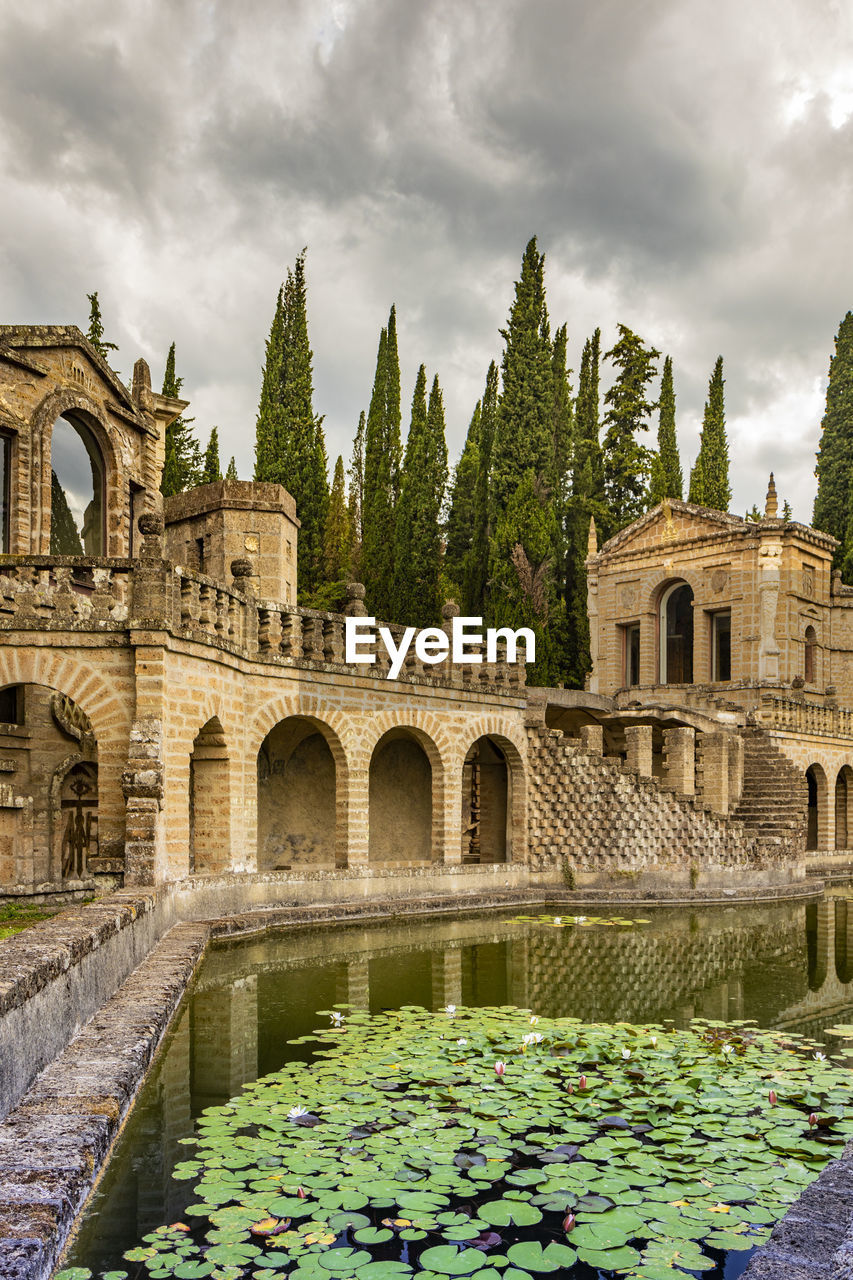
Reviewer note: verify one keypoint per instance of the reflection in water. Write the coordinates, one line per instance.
(783, 966)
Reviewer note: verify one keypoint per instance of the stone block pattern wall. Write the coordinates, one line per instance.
(588, 809)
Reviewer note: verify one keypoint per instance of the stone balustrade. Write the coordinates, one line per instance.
(795, 715)
(64, 591)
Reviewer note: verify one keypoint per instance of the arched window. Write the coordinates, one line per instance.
(77, 491)
(810, 659)
(676, 634)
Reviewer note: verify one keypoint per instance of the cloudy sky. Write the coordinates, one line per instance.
(686, 166)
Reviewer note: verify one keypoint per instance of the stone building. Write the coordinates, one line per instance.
(742, 621)
(169, 714)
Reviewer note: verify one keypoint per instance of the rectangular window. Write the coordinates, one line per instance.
(721, 647)
(199, 551)
(5, 469)
(631, 655)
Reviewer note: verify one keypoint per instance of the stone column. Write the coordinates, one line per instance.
(355, 987)
(736, 765)
(447, 977)
(592, 739)
(770, 561)
(714, 755)
(640, 743)
(679, 760)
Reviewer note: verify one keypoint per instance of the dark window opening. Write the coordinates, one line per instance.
(77, 491)
(199, 548)
(810, 657)
(721, 647)
(12, 704)
(632, 655)
(676, 643)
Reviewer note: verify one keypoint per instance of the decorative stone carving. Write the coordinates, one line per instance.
(719, 580)
(808, 580)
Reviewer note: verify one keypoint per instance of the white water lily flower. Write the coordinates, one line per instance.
(728, 1049)
(449, 1009)
(296, 1112)
(558, 919)
(580, 919)
(626, 1053)
(337, 1019)
(820, 1057)
(532, 1037)
(533, 1019)
(653, 1040)
(462, 1042)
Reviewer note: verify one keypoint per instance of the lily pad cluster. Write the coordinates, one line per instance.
(491, 1143)
(587, 922)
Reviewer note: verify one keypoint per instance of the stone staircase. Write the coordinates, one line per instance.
(775, 794)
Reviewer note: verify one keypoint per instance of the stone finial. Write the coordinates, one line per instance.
(835, 587)
(450, 610)
(150, 524)
(592, 538)
(355, 607)
(141, 388)
(242, 570)
(771, 505)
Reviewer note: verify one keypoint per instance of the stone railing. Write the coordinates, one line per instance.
(64, 591)
(795, 716)
(208, 609)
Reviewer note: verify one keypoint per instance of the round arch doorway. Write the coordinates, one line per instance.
(676, 634)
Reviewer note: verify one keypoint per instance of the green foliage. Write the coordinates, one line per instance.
(231, 473)
(667, 479)
(338, 532)
(476, 575)
(835, 453)
(417, 541)
(355, 498)
(95, 332)
(64, 534)
(787, 513)
(182, 463)
(627, 462)
(459, 530)
(457, 1143)
(562, 419)
(211, 470)
(381, 475)
(290, 447)
(524, 428)
(709, 481)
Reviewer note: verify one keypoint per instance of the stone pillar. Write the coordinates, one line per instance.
(245, 581)
(592, 739)
(142, 785)
(640, 743)
(713, 749)
(151, 577)
(736, 765)
(355, 988)
(679, 760)
(770, 561)
(447, 977)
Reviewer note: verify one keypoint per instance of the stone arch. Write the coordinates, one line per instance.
(209, 800)
(299, 740)
(810, 655)
(514, 752)
(676, 632)
(77, 403)
(818, 805)
(109, 713)
(844, 807)
(402, 800)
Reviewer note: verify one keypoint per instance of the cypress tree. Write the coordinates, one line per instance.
(459, 531)
(268, 421)
(587, 457)
(95, 332)
(835, 452)
(477, 567)
(523, 439)
(231, 473)
(667, 479)
(381, 475)
(338, 533)
(182, 465)
(626, 461)
(787, 514)
(355, 500)
(211, 470)
(417, 542)
(64, 535)
(711, 472)
(562, 417)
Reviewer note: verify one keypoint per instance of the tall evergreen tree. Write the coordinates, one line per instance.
(459, 531)
(475, 586)
(417, 541)
(835, 452)
(626, 461)
(211, 470)
(95, 332)
(667, 478)
(381, 475)
(523, 439)
(268, 463)
(182, 465)
(711, 472)
(290, 447)
(355, 497)
(231, 473)
(338, 533)
(562, 417)
(585, 501)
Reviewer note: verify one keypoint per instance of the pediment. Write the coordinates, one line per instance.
(673, 522)
(63, 354)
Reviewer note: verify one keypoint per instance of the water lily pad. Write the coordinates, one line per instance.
(530, 1256)
(449, 1261)
(500, 1213)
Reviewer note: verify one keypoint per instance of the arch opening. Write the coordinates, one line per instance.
(77, 484)
(816, 812)
(400, 803)
(209, 801)
(810, 656)
(843, 801)
(676, 634)
(298, 818)
(49, 835)
(486, 835)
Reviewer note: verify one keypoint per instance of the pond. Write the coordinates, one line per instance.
(785, 967)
